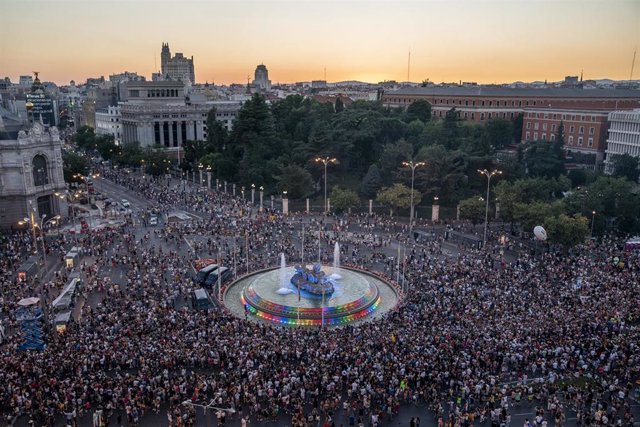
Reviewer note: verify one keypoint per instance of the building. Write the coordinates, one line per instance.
(624, 136)
(40, 104)
(585, 132)
(157, 113)
(483, 103)
(30, 175)
(108, 122)
(177, 68)
(126, 77)
(261, 78)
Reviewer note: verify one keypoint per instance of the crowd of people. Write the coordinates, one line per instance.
(473, 339)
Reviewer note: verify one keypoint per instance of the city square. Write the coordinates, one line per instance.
(319, 214)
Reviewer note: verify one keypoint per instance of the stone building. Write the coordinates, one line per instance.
(261, 78)
(624, 136)
(177, 67)
(30, 175)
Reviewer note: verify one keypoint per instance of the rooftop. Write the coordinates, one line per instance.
(524, 92)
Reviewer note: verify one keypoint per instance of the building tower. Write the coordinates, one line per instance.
(261, 80)
(165, 57)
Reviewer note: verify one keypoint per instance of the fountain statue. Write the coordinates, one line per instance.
(314, 281)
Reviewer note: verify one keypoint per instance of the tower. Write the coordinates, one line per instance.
(165, 56)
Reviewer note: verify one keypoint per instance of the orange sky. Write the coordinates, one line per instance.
(469, 40)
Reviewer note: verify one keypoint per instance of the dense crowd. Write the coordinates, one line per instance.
(474, 337)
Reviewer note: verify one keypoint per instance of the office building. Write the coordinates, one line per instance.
(624, 136)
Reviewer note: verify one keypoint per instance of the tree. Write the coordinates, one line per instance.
(517, 128)
(106, 146)
(73, 164)
(296, 181)
(339, 107)
(84, 138)
(544, 159)
(567, 230)
(528, 215)
(130, 154)
(392, 157)
(444, 174)
(626, 166)
(499, 133)
(216, 133)
(398, 196)
(343, 200)
(418, 110)
(156, 161)
(372, 182)
(473, 209)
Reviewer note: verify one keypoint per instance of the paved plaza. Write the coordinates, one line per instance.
(478, 338)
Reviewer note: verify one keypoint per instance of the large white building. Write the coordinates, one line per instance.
(157, 113)
(624, 136)
(30, 175)
(108, 122)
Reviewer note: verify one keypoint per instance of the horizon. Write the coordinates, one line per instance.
(484, 41)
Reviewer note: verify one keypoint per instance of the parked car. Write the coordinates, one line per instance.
(153, 220)
(125, 203)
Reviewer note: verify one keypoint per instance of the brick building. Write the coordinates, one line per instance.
(582, 111)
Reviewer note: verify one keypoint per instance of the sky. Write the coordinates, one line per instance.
(486, 41)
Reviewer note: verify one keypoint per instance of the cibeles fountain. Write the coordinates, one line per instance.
(311, 295)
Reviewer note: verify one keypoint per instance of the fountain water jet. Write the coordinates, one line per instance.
(284, 289)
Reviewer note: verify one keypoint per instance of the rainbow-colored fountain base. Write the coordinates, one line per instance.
(268, 296)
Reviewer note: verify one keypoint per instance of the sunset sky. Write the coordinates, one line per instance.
(469, 40)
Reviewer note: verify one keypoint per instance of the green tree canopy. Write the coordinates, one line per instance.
(567, 230)
(343, 200)
(418, 110)
(74, 164)
(296, 180)
(473, 209)
(372, 182)
(398, 196)
(626, 166)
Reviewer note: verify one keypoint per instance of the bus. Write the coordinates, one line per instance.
(201, 299)
(202, 275)
(212, 279)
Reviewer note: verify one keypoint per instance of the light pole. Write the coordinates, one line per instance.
(413, 167)
(261, 196)
(325, 161)
(253, 194)
(488, 174)
(593, 221)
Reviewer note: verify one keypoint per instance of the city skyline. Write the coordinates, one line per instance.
(482, 41)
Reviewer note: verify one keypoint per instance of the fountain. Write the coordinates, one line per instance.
(311, 295)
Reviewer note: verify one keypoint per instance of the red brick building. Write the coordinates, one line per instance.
(582, 111)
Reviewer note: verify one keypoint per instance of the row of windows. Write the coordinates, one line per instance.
(489, 116)
(572, 129)
(625, 127)
(555, 116)
(543, 137)
(162, 93)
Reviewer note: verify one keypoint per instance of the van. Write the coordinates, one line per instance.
(212, 279)
(153, 220)
(61, 321)
(201, 299)
(203, 273)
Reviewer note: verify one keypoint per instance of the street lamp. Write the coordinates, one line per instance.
(413, 167)
(593, 221)
(488, 174)
(261, 196)
(325, 161)
(253, 194)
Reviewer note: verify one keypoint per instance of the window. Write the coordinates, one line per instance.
(465, 115)
(590, 142)
(40, 172)
(536, 125)
(544, 136)
(553, 137)
(544, 126)
(592, 130)
(528, 137)
(528, 125)
(473, 116)
(555, 116)
(581, 132)
(572, 129)
(580, 140)
(481, 116)
(570, 139)
(553, 128)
